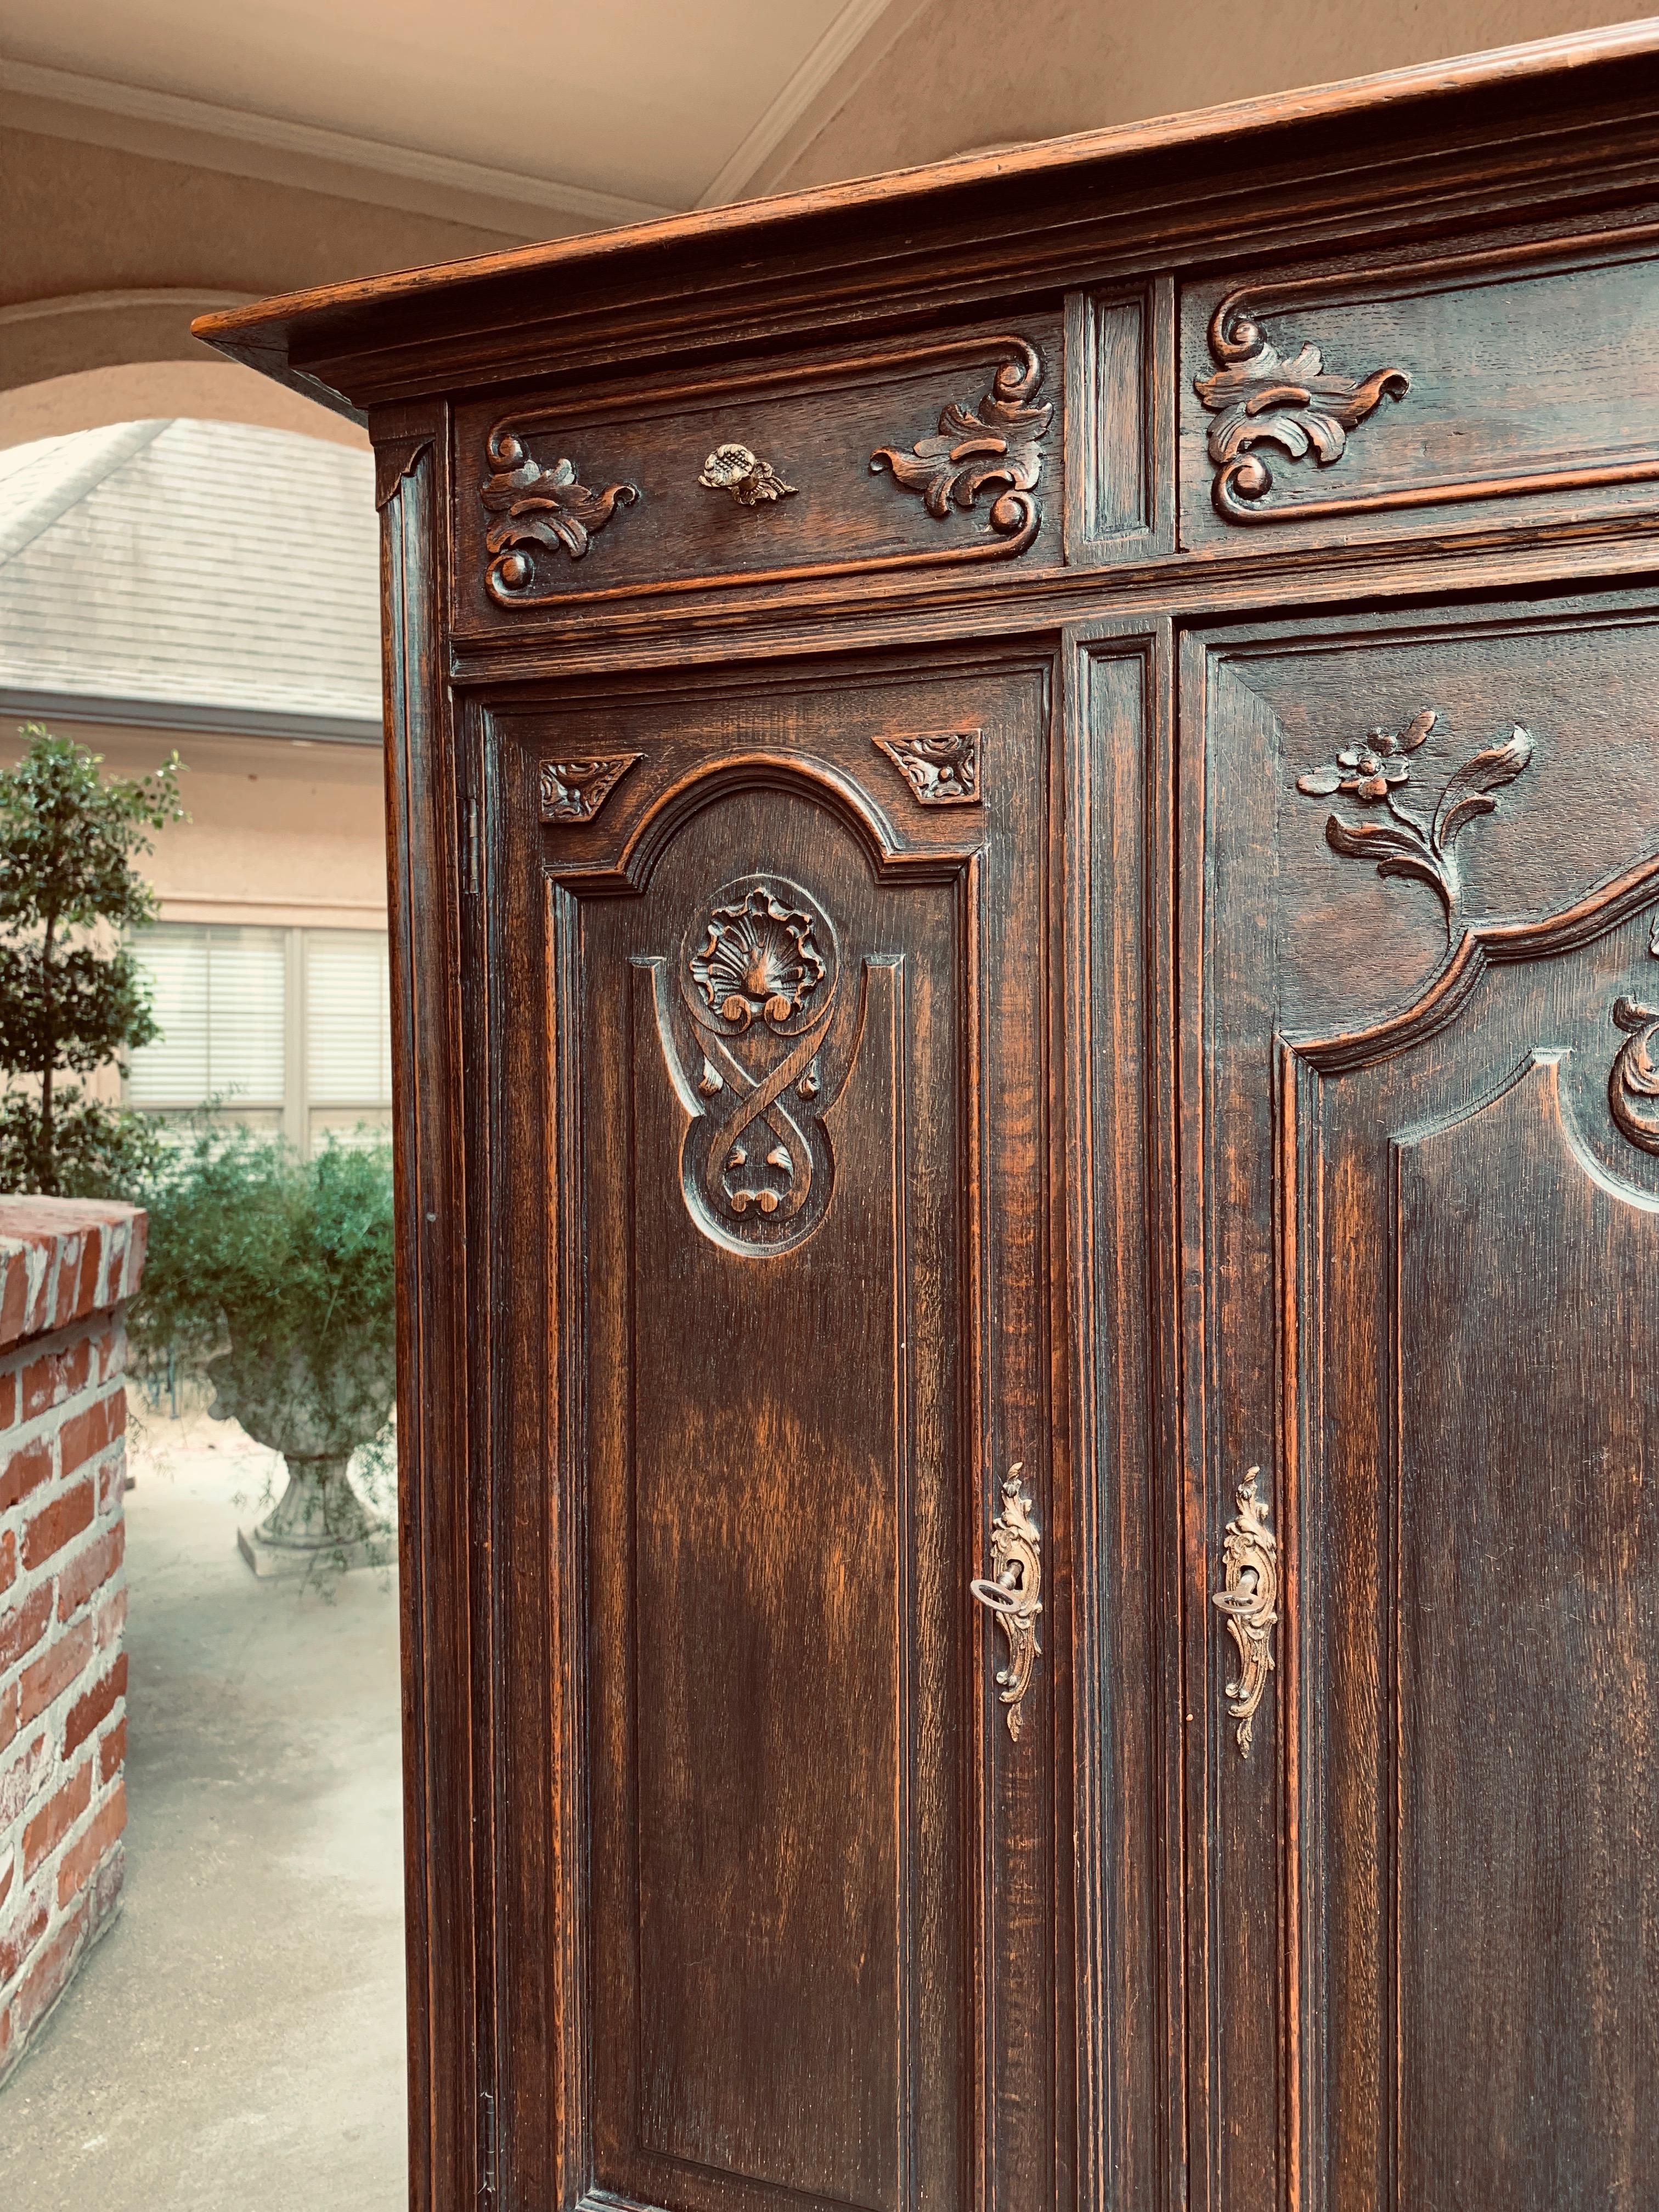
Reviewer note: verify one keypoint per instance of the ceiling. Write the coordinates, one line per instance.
(624, 108)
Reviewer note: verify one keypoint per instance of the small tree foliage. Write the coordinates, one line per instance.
(72, 997)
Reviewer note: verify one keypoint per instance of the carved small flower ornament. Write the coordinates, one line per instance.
(1368, 771)
(758, 959)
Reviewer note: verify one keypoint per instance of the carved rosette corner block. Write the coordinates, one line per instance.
(537, 507)
(995, 447)
(1259, 399)
(1633, 1083)
(750, 481)
(942, 770)
(1248, 1601)
(759, 979)
(574, 790)
(1374, 773)
(1012, 1594)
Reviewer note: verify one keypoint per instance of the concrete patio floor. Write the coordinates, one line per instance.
(237, 2039)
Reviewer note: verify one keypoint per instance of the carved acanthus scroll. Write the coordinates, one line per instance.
(1402, 843)
(1633, 1083)
(1013, 1593)
(1259, 398)
(996, 447)
(1248, 1599)
(538, 505)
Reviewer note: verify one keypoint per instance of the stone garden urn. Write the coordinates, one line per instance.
(316, 1405)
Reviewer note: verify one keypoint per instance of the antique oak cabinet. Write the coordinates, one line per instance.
(1024, 823)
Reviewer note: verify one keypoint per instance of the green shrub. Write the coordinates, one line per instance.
(246, 1239)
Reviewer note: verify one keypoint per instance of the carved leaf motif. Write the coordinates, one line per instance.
(942, 770)
(539, 506)
(1397, 849)
(994, 446)
(749, 480)
(1260, 398)
(575, 791)
(1374, 772)
(1470, 790)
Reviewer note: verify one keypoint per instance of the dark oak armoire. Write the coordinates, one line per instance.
(1025, 827)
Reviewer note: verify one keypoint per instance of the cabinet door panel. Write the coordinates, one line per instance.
(799, 1932)
(1429, 1313)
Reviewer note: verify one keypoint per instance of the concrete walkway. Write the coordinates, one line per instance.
(237, 2039)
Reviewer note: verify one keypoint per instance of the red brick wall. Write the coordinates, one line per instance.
(67, 1266)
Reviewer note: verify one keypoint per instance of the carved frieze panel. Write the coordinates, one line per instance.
(1513, 367)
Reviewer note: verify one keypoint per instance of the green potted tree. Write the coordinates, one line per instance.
(72, 998)
(272, 1276)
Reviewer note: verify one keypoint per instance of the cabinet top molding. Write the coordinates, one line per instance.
(1300, 165)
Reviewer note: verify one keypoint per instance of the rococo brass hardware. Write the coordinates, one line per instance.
(1014, 1594)
(749, 479)
(1250, 1600)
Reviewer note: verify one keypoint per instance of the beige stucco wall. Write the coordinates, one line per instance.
(963, 74)
(280, 833)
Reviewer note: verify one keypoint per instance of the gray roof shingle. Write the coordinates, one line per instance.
(211, 567)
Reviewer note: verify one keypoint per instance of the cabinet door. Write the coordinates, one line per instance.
(1421, 1073)
(777, 1920)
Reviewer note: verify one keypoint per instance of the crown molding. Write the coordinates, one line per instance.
(312, 142)
(842, 38)
(189, 298)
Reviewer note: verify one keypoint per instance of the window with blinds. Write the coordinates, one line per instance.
(347, 1018)
(286, 1028)
(219, 997)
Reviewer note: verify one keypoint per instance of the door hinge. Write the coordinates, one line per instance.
(486, 2148)
(469, 846)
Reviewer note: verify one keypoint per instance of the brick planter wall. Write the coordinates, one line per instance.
(67, 1268)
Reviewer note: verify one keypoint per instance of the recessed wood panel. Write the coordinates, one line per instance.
(1528, 1537)
(776, 1659)
(1501, 385)
(804, 1937)
(944, 450)
(1428, 1316)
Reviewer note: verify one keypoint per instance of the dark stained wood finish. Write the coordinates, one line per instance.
(1428, 1293)
(1150, 1138)
(814, 1953)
